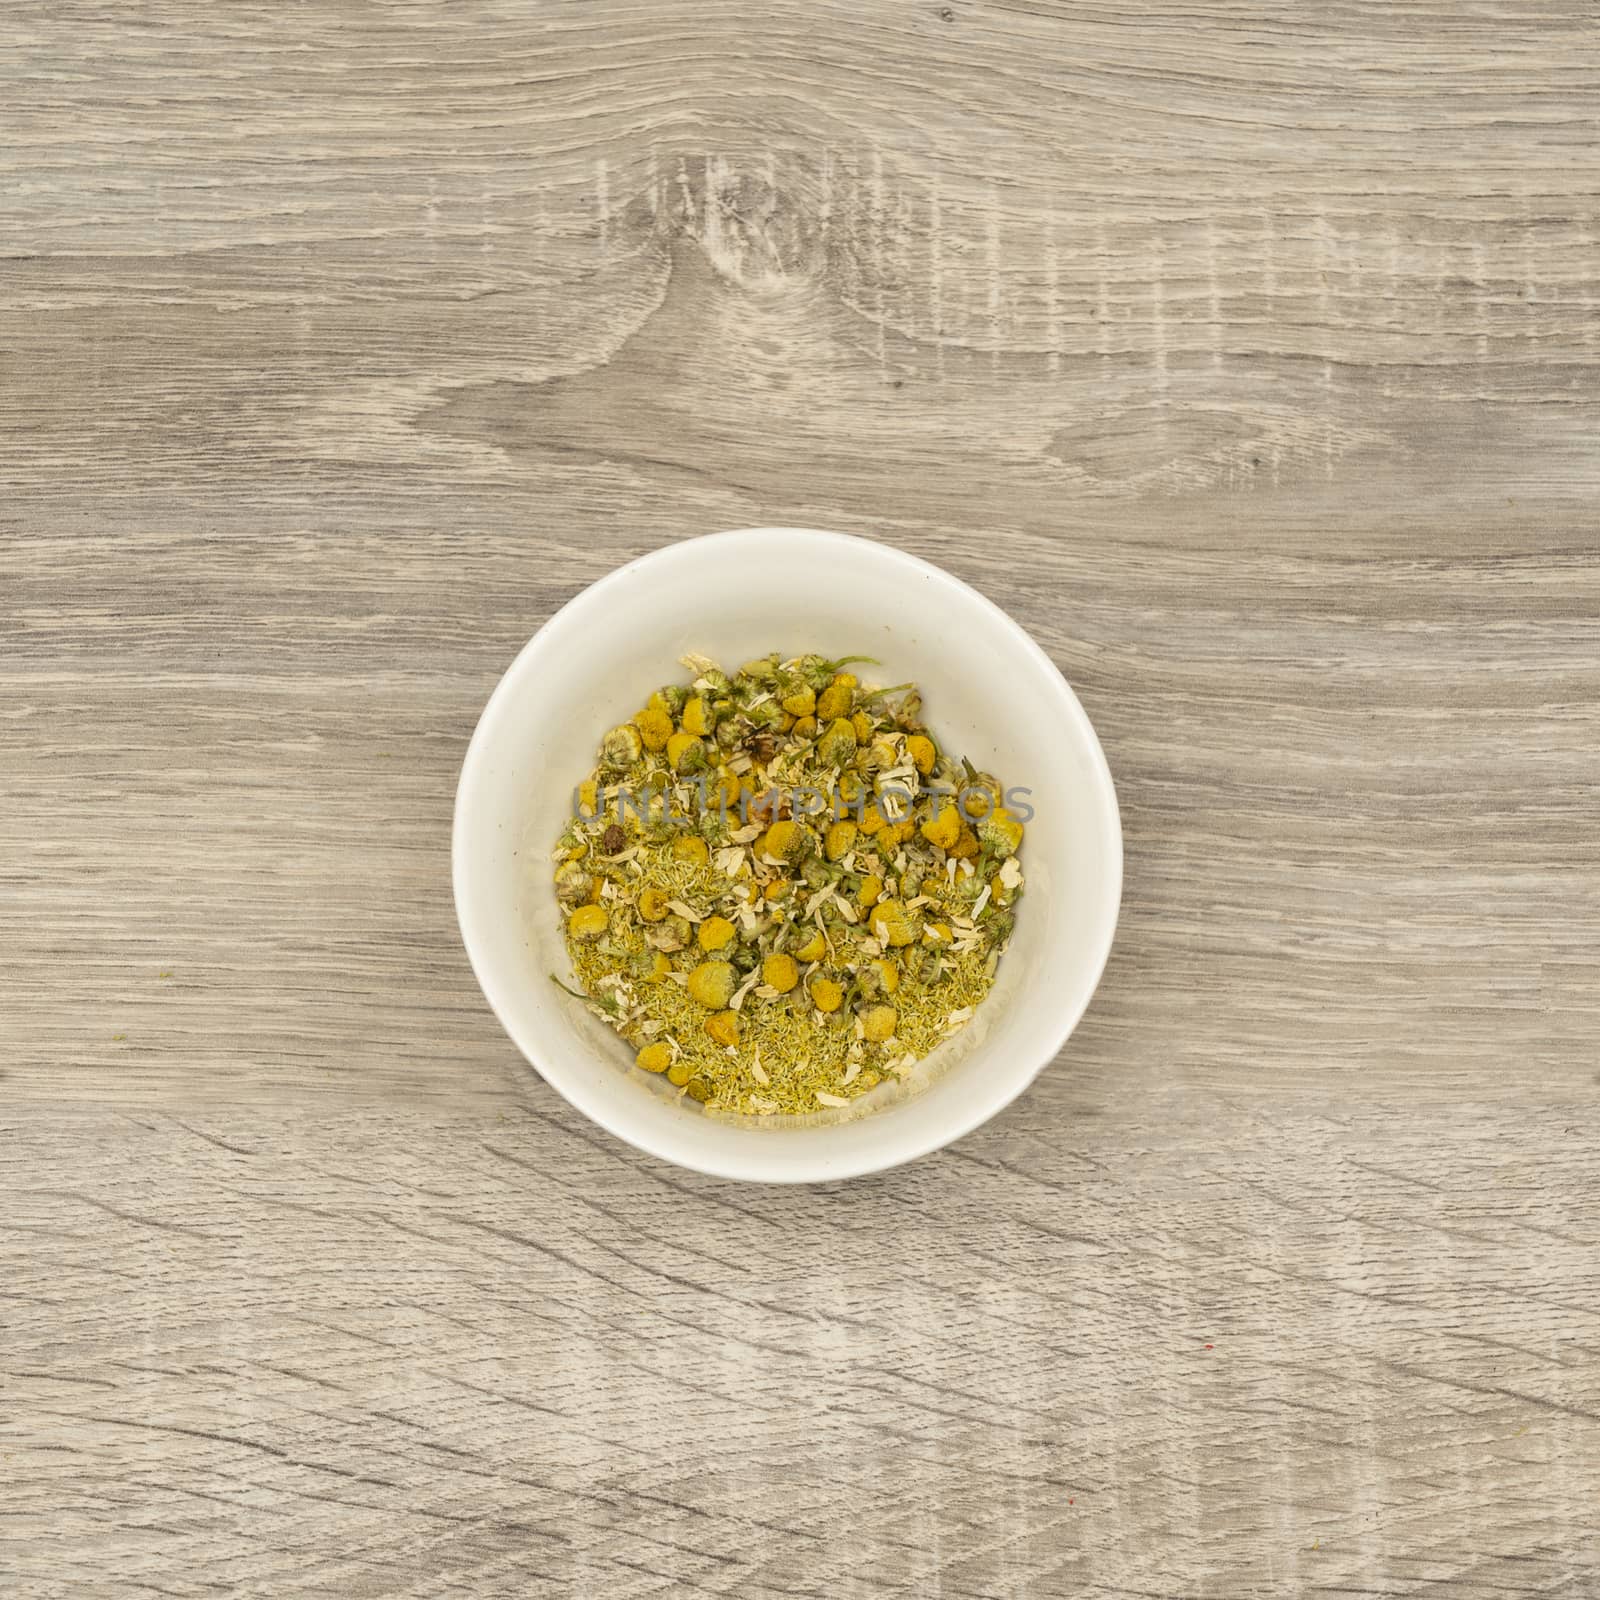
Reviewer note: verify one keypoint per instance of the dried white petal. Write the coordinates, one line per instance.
(737, 998)
(831, 1099)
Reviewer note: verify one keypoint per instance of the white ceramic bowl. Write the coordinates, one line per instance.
(989, 692)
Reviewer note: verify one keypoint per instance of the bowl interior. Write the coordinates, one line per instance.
(989, 694)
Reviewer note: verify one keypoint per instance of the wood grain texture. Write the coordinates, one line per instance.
(1248, 352)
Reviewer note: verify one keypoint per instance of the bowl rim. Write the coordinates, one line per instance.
(569, 1087)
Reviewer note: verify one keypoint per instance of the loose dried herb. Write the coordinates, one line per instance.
(779, 890)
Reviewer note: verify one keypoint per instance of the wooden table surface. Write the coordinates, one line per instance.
(1248, 352)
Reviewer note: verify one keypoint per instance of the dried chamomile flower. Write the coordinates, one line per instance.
(621, 747)
(923, 755)
(826, 993)
(797, 697)
(780, 972)
(670, 935)
(878, 977)
(788, 842)
(724, 1027)
(878, 1023)
(892, 924)
(1000, 834)
(943, 829)
(686, 754)
(574, 883)
(762, 670)
(655, 727)
(837, 698)
(711, 983)
(654, 1057)
(696, 718)
(837, 747)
